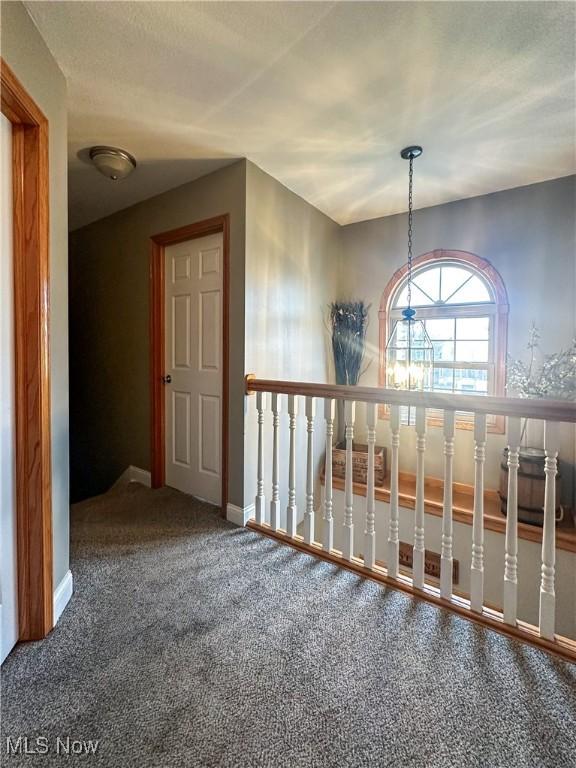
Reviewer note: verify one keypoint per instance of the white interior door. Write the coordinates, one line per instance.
(8, 573)
(193, 306)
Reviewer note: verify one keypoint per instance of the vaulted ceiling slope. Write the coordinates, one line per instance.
(320, 95)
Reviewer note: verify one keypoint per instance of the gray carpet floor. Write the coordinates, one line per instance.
(189, 642)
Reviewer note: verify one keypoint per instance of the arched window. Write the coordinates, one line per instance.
(462, 301)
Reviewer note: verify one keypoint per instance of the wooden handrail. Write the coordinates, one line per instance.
(546, 410)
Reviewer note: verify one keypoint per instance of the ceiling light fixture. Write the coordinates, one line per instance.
(112, 162)
(409, 352)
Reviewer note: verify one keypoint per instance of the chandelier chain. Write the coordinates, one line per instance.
(410, 175)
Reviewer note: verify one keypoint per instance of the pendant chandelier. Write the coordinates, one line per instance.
(409, 352)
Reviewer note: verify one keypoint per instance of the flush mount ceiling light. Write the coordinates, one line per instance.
(112, 162)
(409, 352)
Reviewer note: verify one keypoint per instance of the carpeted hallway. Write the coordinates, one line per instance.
(189, 642)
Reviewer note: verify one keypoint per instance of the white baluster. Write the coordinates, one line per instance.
(260, 501)
(369, 535)
(309, 514)
(348, 545)
(393, 539)
(291, 511)
(418, 551)
(446, 561)
(511, 556)
(477, 567)
(275, 502)
(547, 594)
(328, 537)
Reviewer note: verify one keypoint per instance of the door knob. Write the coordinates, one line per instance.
(167, 379)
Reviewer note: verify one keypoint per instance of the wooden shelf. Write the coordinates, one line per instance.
(463, 505)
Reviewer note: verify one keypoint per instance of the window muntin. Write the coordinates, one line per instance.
(444, 284)
(443, 304)
(458, 309)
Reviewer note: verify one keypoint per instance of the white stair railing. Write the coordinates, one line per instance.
(260, 501)
(291, 509)
(446, 558)
(348, 545)
(328, 521)
(275, 501)
(477, 567)
(547, 593)
(419, 550)
(369, 533)
(309, 514)
(393, 536)
(511, 554)
(550, 412)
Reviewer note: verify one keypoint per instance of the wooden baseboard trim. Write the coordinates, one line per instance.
(527, 633)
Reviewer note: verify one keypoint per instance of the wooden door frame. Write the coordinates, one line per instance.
(157, 334)
(32, 356)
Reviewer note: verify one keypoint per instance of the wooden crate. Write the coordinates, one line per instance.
(359, 463)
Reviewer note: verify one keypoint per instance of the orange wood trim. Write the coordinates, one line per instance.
(17, 104)
(560, 646)
(158, 415)
(158, 244)
(494, 278)
(463, 506)
(432, 581)
(477, 262)
(192, 231)
(547, 410)
(32, 358)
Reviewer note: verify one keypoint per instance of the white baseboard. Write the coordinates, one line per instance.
(135, 475)
(62, 595)
(239, 515)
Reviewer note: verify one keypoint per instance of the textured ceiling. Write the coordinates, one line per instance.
(320, 95)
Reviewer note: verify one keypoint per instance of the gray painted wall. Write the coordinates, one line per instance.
(26, 53)
(292, 261)
(288, 262)
(528, 235)
(109, 333)
(292, 264)
(284, 263)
